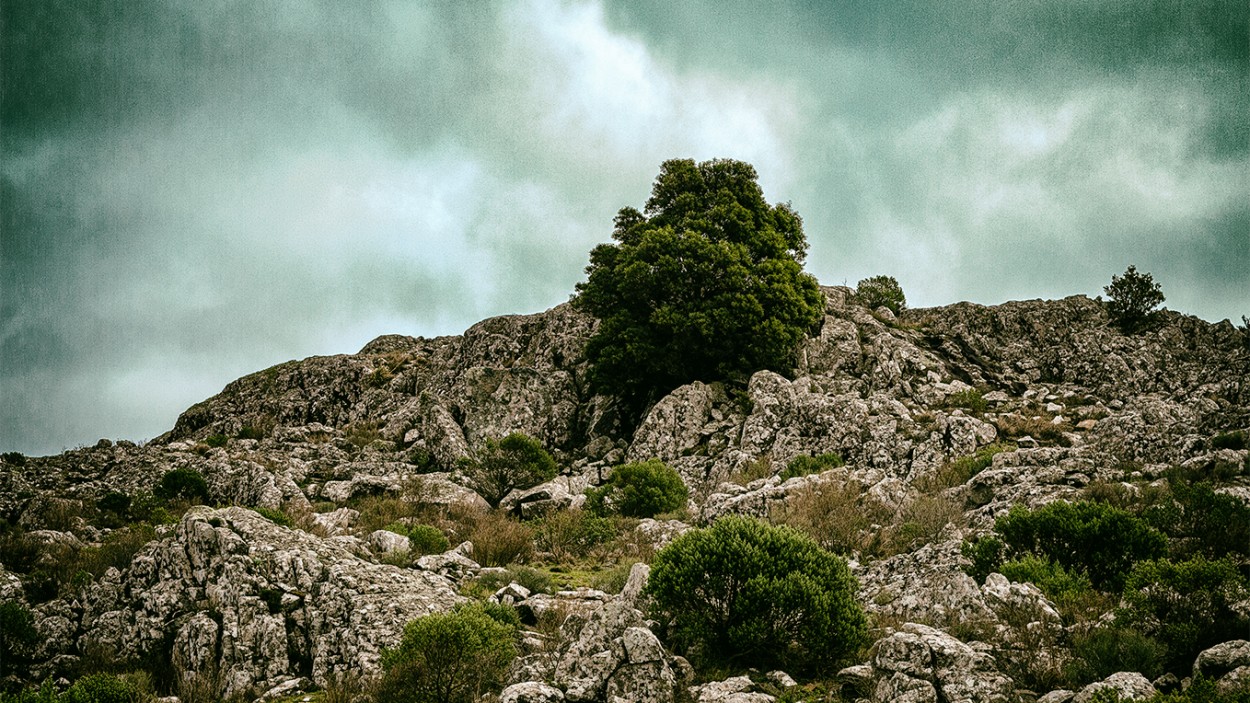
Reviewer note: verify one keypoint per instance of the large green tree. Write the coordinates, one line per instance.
(705, 284)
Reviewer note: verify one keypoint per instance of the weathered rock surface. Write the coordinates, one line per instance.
(1130, 685)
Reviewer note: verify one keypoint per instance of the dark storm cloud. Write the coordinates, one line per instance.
(191, 191)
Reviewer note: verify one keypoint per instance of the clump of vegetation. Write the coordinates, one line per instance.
(840, 516)
(453, 657)
(249, 432)
(969, 399)
(496, 467)
(805, 465)
(1229, 440)
(427, 539)
(705, 284)
(216, 440)
(498, 539)
(959, 471)
(274, 515)
(1133, 299)
(13, 458)
(748, 594)
(642, 489)
(18, 637)
(881, 292)
(185, 484)
(567, 535)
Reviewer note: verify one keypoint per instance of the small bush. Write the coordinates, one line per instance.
(453, 657)
(1059, 584)
(839, 516)
(1103, 651)
(1201, 522)
(427, 539)
(216, 440)
(986, 555)
(806, 465)
(497, 467)
(1133, 299)
(500, 540)
(1187, 606)
(1039, 428)
(104, 688)
(753, 470)
(187, 484)
(644, 489)
(969, 399)
(922, 522)
(1102, 541)
(13, 458)
(881, 291)
(249, 432)
(273, 515)
(1229, 440)
(959, 471)
(572, 534)
(745, 593)
(18, 636)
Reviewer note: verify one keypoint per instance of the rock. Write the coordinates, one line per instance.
(781, 679)
(1235, 681)
(1060, 696)
(1217, 661)
(736, 689)
(453, 565)
(1130, 686)
(921, 663)
(336, 522)
(856, 681)
(531, 692)
(387, 542)
(634, 584)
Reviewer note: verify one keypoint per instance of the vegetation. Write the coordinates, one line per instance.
(496, 467)
(881, 292)
(187, 484)
(642, 489)
(453, 657)
(705, 284)
(17, 636)
(1133, 299)
(804, 465)
(744, 593)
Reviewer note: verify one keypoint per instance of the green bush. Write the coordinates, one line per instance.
(273, 515)
(1200, 521)
(1187, 606)
(1099, 540)
(497, 467)
(643, 489)
(572, 534)
(1229, 440)
(216, 440)
(1103, 651)
(1059, 584)
(1133, 299)
(13, 458)
(747, 594)
(427, 539)
(986, 555)
(707, 285)
(804, 465)
(187, 484)
(881, 291)
(18, 636)
(453, 657)
(1201, 690)
(969, 399)
(103, 688)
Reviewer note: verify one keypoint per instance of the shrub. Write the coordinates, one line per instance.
(745, 593)
(427, 539)
(18, 636)
(498, 466)
(839, 516)
(1229, 440)
(986, 555)
(216, 440)
(1133, 299)
(1188, 606)
(572, 534)
(707, 285)
(922, 522)
(13, 458)
(1059, 584)
(187, 484)
(1200, 521)
(642, 489)
(451, 657)
(103, 688)
(1100, 540)
(881, 292)
(959, 471)
(500, 540)
(273, 515)
(969, 399)
(248, 432)
(1103, 651)
(806, 465)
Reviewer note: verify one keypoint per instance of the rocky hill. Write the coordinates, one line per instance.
(942, 420)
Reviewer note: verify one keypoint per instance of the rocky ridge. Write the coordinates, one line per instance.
(246, 606)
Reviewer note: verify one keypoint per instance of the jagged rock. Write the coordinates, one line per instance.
(782, 679)
(336, 522)
(452, 564)
(387, 542)
(531, 692)
(1222, 658)
(921, 663)
(1062, 695)
(256, 599)
(1235, 681)
(928, 583)
(1130, 685)
(736, 689)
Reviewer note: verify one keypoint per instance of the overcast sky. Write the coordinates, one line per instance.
(192, 191)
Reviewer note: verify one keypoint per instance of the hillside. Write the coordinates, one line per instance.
(292, 574)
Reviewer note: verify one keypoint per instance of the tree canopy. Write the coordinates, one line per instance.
(706, 283)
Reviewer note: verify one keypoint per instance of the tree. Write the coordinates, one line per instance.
(1134, 297)
(881, 291)
(450, 657)
(745, 593)
(705, 284)
(498, 466)
(642, 489)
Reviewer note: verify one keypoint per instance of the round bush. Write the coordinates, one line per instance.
(881, 292)
(183, 483)
(450, 657)
(498, 466)
(746, 594)
(427, 539)
(643, 489)
(101, 688)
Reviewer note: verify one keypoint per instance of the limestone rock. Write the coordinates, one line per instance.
(921, 663)
(1222, 658)
(531, 692)
(1130, 685)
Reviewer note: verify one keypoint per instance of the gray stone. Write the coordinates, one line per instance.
(1130, 685)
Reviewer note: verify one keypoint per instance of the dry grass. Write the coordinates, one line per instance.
(841, 517)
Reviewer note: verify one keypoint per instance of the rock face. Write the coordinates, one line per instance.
(247, 604)
(230, 598)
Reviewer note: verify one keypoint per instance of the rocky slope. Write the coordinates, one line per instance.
(230, 600)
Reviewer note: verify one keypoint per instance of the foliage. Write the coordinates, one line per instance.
(18, 636)
(13, 458)
(1202, 690)
(273, 515)
(642, 489)
(745, 593)
(706, 285)
(1187, 606)
(103, 688)
(572, 534)
(499, 540)
(1064, 587)
(804, 465)
(839, 516)
(249, 432)
(881, 292)
(1133, 299)
(969, 399)
(1100, 540)
(959, 471)
(427, 539)
(1103, 651)
(216, 440)
(1200, 521)
(452, 657)
(187, 484)
(1229, 440)
(496, 467)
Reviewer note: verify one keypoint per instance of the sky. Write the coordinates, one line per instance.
(193, 191)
